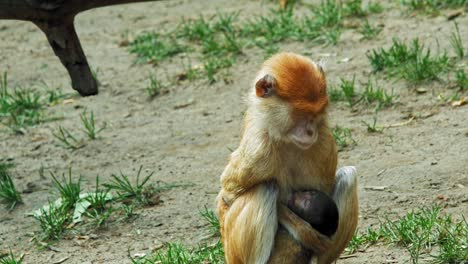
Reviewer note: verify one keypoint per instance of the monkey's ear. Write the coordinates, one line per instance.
(321, 66)
(265, 87)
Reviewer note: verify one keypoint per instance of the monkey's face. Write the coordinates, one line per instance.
(290, 94)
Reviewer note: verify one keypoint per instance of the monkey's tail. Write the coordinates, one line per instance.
(251, 224)
(346, 199)
(346, 181)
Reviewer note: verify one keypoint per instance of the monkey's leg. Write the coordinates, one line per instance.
(287, 250)
(250, 226)
(346, 199)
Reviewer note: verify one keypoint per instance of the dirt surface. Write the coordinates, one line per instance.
(416, 161)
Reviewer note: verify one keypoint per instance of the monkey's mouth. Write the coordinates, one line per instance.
(302, 144)
(303, 135)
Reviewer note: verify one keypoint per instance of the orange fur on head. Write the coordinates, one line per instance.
(300, 82)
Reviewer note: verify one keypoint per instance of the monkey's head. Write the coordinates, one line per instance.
(290, 99)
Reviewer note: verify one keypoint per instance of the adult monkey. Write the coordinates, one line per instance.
(286, 146)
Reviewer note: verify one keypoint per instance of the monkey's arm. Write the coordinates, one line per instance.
(303, 231)
(249, 225)
(251, 164)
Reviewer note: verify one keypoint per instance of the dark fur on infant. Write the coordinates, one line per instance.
(316, 208)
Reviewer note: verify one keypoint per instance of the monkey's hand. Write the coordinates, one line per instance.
(302, 231)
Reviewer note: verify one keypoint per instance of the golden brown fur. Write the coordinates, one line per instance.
(268, 166)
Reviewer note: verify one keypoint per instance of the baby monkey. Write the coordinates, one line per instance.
(316, 208)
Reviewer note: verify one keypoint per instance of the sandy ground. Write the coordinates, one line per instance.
(416, 161)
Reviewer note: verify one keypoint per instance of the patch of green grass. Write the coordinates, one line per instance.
(461, 79)
(210, 216)
(21, 107)
(222, 38)
(190, 73)
(368, 31)
(9, 196)
(425, 68)
(276, 26)
(4, 166)
(413, 63)
(100, 209)
(365, 240)
(177, 253)
(372, 127)
(377, 94)
(325, 23)
(153, 47)
(432, 6)
(53, 220)
(335, 94)
(10, 259)
(195, 29)
(213, 64)
(418, 4)
(154, 87)
(354, 8)
(98, 217)
(4, 85)
(95, 74)
(457, 43)
(67, 139)
(413, 231)
(68, 189)
(424, 232)
(452, 240)
(96, 206)
(54, 96)
(219, 39)
(89, 125)
(348, 88)
(141, 191)
(99, 198)
(375, 8)
(343, 137)
(128, 210)
(348, 91)
(420, 231)
(332, 36)
(328, 13)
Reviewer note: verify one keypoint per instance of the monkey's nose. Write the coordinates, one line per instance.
(310, 132)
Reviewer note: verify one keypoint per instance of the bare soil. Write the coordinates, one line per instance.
(185, 135)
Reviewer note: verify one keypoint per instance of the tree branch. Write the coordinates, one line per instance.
(52, 9)
(55, 19)
(66, 45)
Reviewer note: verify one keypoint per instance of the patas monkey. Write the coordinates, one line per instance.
(286, 146)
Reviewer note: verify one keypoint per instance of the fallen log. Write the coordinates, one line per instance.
(55, 18)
